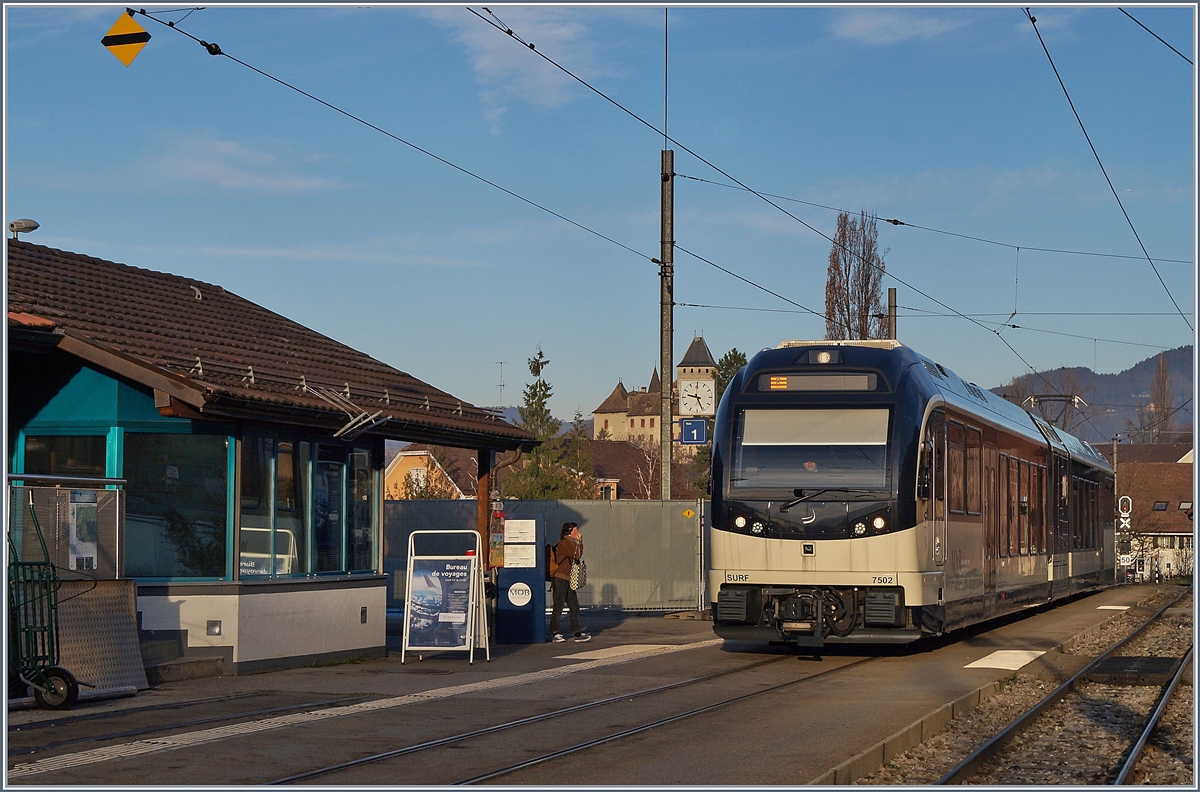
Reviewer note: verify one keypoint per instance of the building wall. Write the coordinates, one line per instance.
(270, 626)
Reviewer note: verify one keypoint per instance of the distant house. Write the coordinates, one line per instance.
(622, 470)
(419, 471)
(251, 450)
(1158, 480)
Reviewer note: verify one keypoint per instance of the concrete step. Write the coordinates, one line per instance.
(183, 668)
(159, 650)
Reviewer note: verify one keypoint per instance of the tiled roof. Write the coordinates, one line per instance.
(1149, 482)
(224, 356)
(1144, 452)
(617, 401)
(697, 354)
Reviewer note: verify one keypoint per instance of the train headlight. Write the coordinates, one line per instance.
(860, 528)
(824, 357)
(757, 527)
(739, 521)
(879, 523)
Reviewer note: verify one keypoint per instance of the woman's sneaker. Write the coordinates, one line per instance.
(558, 638)
(582, 637)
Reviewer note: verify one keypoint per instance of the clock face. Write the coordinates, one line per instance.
(696, 397)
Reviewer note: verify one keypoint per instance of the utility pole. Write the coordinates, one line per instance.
(666, 274)
(892, 314)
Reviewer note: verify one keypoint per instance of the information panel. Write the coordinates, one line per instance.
(444, 607)
(438, 602)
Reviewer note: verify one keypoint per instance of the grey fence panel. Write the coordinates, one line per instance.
(641, 555)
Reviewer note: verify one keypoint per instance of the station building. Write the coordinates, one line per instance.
(251, 449)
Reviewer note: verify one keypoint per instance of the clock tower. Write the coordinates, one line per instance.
(696, 382)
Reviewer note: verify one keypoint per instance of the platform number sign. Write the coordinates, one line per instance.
(1125, 505)
(693, 431)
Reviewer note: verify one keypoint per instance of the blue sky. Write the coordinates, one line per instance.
(948, 118)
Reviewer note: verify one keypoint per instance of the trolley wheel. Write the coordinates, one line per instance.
(62, 691)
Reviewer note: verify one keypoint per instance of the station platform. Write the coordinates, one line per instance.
(383, 702)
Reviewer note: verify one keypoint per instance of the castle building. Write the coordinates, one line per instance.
(634, 416)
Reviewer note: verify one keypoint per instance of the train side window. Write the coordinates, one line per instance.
(974, 460)
(1013, 507)
(1023, 507)
(1002, 505)
(1037, 509)
(991, 520)
(955, 467)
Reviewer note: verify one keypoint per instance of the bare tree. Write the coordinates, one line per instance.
(648, 468)
(1152, 422)
(853, 286)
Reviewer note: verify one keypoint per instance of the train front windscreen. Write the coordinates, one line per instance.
(810, 449)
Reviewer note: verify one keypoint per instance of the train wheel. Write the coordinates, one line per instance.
(62, 691)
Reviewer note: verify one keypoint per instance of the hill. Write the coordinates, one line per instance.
(1112, 399)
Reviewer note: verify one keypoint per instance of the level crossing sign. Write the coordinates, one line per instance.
(125, 38)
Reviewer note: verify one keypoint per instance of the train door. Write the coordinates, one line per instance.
(991, 522)
(1059, 497)
(937, 438)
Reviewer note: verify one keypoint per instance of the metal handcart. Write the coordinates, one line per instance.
(33, 625)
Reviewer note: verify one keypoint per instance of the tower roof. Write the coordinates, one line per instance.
(697, 354)
(617, 401)
(655, 382)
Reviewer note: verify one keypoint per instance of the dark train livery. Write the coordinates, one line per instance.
(863, 493)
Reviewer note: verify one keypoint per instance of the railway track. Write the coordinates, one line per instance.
(1032, 749)
(555, 719)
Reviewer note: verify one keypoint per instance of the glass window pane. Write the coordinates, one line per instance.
(786, 449)
(974, 460)
(328, 493)
(360, 544)
(176, 499)
(66, 455)
(955, 467)
(291, 515)
(255, 528)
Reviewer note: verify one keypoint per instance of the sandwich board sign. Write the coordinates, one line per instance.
(444, 605)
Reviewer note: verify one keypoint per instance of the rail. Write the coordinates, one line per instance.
(1152, 722)
(967, 767)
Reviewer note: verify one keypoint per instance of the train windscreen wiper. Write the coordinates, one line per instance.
(803, 495)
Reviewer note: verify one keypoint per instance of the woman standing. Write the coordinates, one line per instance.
(567, 553)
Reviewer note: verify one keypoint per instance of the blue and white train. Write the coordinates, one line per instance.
(863, 493)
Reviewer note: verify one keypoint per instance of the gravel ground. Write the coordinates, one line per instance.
(1079, 739)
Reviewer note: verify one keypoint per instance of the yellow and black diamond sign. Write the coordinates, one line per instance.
(125, 39)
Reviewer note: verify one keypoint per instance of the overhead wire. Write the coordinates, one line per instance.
(906, 224)
(1152, 33)
(1033, 22)
(921, 315)
(496, 23)
(214, 49)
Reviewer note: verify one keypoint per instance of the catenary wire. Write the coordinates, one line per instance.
(1152, 33)
(214, 49)
(498, 25)
(919, 316)
(1033, 21)
(896, 222)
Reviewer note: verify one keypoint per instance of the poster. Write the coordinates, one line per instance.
(82, 532)
(520, 531)
(439, 598)
(523, 556)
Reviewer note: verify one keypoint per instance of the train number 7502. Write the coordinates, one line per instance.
(884, 579)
